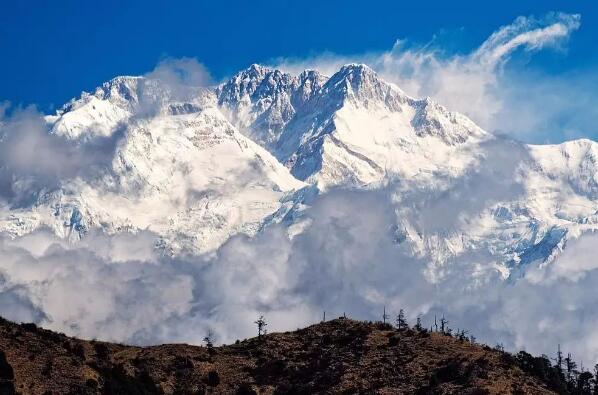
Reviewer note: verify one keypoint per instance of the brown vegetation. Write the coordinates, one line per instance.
(340, 356)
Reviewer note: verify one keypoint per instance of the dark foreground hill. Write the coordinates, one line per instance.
(339, 356)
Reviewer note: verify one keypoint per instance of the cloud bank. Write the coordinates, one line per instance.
(346, 261)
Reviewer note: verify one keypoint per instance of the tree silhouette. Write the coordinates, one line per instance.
(559, 359)
(384, 316)
(443, 324)
(462, 335)
(418, 325)
(261, 326)
(209, 340)
(570, 367)
(401, 321)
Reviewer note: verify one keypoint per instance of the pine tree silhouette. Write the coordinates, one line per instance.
(401, 321)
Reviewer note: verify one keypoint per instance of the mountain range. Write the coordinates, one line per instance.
(196, 165)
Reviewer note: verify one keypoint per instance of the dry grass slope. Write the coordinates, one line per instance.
(341, 356)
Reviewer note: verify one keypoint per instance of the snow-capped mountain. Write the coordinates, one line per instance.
(458, 189)
(355, 129)
(197, 165)
(183, 172)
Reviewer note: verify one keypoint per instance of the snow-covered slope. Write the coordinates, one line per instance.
(458, 190)
(186, 174)
(354, 130)
(197, 165)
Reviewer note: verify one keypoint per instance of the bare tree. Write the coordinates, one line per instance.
(384, 315)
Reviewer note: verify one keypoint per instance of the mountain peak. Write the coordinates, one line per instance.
(256, 79)
(356, 74)
(255, 66)
(360, 85)
(255, 72)
(310, 74)
(361, 68)
(121, 88)
(261, 100)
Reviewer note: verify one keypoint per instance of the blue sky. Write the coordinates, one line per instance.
(52, 51)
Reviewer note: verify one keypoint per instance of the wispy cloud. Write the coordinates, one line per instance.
(479, 84)
(181, 72)
(530, 34)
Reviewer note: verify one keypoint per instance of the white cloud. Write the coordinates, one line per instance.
(181, 72)
(528, 33)
(345, 261)
(31, 158)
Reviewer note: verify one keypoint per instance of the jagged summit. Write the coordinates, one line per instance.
(122, 88)
(354, 75)
(359, 67)
(256, 80)
(298, 119)
(361, 86)
(306, 86)
(257, 68)
(123, 100)
(432, 119)
(358, 72)
(261, 101)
